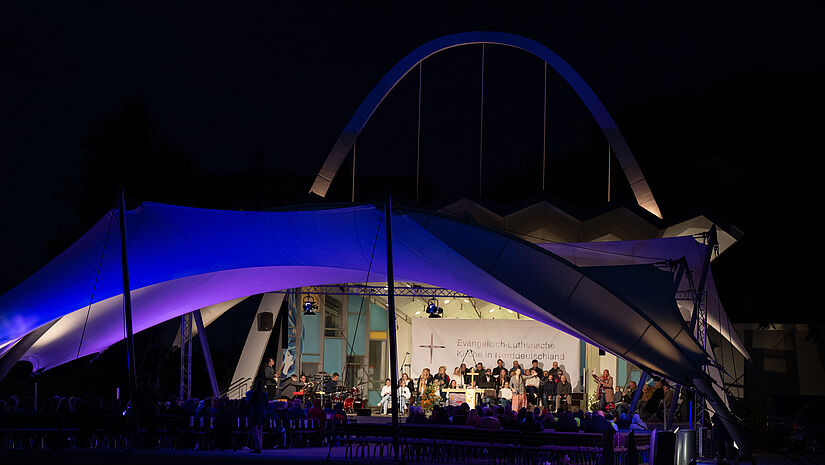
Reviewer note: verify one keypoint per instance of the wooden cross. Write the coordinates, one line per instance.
(471, 374)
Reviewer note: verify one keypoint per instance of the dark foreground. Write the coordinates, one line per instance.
(301, 456)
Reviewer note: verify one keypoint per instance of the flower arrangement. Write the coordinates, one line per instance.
(430, 399)
(593, 401)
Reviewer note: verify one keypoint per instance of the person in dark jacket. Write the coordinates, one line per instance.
(653, 406)
(567, 424)
(598, 423)
(289, 386)
(547, 388)
(270, 378)
(257, 399)
(146, 405)
(563, 391)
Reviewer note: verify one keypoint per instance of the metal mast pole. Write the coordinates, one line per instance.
(544, 132)
(481, 123)
(127, 300)
(418, 137)
(391, 324)
(353, 172)
(698, 324)
(608, 173)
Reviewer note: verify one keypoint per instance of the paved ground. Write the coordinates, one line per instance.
(300, 456)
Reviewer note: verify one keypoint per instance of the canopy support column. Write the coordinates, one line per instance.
(249, 363)
(127, 298)
(207, 355)
(638, 394)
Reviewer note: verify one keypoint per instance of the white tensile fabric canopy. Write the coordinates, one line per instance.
(183, 259)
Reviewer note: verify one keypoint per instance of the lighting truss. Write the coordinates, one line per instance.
(379, 291)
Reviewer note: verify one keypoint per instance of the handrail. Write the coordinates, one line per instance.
(236, 385)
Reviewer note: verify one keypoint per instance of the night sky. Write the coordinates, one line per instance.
(721, 106)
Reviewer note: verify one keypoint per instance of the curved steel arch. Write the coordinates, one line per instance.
(345, 141)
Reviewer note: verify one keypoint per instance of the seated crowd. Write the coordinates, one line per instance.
(218, 415)
(497, 417)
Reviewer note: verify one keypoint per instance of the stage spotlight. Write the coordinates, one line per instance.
(310, 306)
(432, 306)
(433, 310)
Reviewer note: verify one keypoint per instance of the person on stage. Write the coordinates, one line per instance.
(503, 377)
(548, 390)
(555, 371)
(332, 384)
(563, 391)
(458, 379)
(605, 389)
(515, 367)
(505, 395)
(487, 379)
(499, 366)
(270, 378)
(289, 385)
(410, 385)
(626, 398)
(442, 380)
(423, 381)
(531, 386)
(536, 370)
(386, 396)
(404, 396)
(517, 386)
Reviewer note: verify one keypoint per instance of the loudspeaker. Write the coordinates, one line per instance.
(265, 321)
(662, 447)
(363, 412)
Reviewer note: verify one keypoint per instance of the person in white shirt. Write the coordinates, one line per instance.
(386, 395)
(404, 395)
(531, 386)
(458, 378)
(505, 395)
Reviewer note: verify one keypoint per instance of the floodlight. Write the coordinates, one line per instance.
(310, 306)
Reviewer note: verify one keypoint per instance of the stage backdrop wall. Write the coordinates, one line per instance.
(438, 341)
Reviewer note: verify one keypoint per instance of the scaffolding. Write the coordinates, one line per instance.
(186, 356)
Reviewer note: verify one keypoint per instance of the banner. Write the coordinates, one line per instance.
(288, 360)
(439, 341)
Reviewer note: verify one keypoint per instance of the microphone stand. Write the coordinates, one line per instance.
(401, 371)
(464, 357)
